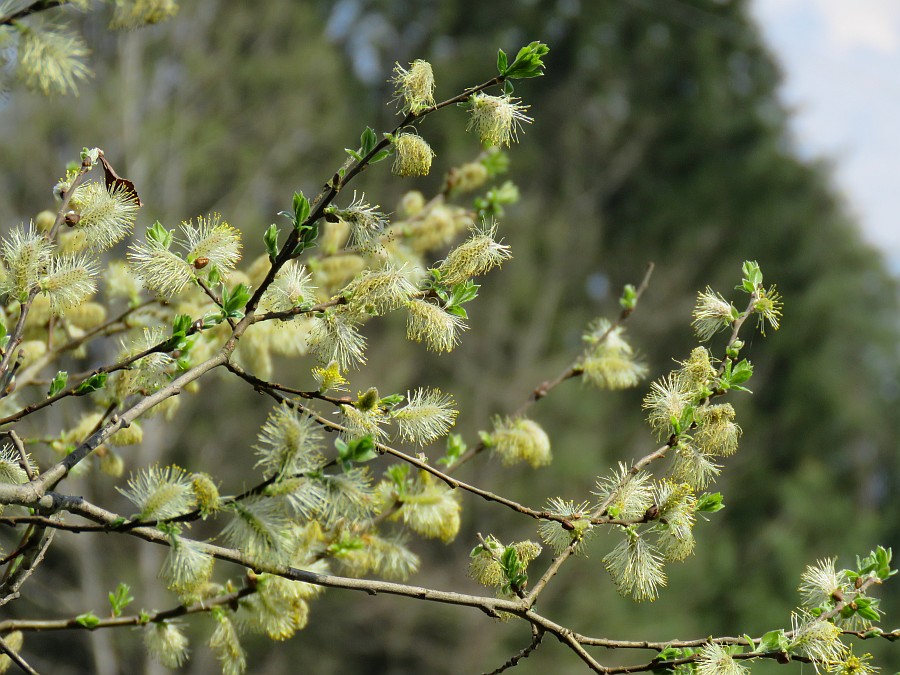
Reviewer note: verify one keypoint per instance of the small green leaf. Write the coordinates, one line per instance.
(357, 450)
(669, 654)
(710, 502)
(502, 61)
(58, 383)
(495, 161)
(93, 383)
(391, 401)
(120, 599)
(528, 63)
(773, 641)
(160, 235)
(458, 311)
(88, 620)
(234, 300)
(742, 372)
(752, 276)
(367, 141)
(270, 238)
(381, 154)
(181, 324)
(513, 570)
(456, 446)
(301, 209)
(629, 297)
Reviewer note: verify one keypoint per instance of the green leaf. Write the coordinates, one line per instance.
(458, 311)
(381, 154)
(751, 643)
(367, 141)
(120, 599)
(773, 641)
(456, 446)
(88, 620)
(868, 613)
(752, 278)
(495, 161)
(234, 300)
(513, 570)
(710, 502)
(735, 374)
(270, 238)
(160, 235)
(463, 293)
(492, 203)
(398, 474)
(357, 450)
(502, 61)
(670, 654)
(93, 383)
(181, 324)
(391, 401)
(301, 209)
(629, 297)
(528, 63)
(58, 383)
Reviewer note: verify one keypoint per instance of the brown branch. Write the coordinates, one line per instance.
(260, 384)
(537, 634)
(72, 389)
(453, 483)
(105, 329)
(140, 619)
(37, 543)
(289, 314)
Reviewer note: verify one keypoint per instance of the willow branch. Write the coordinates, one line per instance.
(451, 482)
(140, 619)
(573, 370)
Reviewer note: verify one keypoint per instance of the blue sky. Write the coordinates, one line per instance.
(841, 60)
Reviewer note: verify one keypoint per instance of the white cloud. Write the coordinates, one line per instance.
(868, 23)
(841, 59)
(873, 24)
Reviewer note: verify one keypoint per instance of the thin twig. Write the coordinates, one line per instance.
(140, 619)
(16, 658)
(537, 634)
(571, 371)
(424, 466)
(23, 456)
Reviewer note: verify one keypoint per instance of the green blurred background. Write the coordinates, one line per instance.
(658, 135)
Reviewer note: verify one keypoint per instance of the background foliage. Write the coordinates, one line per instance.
(658, 136)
